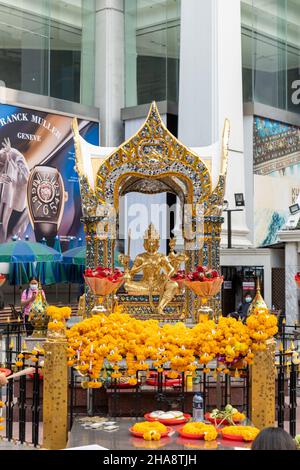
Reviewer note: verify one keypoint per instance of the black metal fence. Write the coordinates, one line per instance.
(288, 368)
(116, 398)
(22, 396)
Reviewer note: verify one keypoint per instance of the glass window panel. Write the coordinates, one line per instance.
(47, 47)
(24, 45)
(151, 50)
(271, 51)
(293, 51)
(65, 50)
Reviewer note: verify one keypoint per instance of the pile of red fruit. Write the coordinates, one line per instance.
(203, 274)
(2, 279)
(104, 273)
(297, 279)
(179, 276)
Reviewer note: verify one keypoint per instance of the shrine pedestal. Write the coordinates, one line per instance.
(262, 388)
(55, 400)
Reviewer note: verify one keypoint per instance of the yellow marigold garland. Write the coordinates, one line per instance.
(102, 341)
(248, 433)
(145, 426)
(209, 431)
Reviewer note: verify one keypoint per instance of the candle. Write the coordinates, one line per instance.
(129, 240)
(189, 383)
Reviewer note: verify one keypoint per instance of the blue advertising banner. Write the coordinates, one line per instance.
(39, 190)
(276, 158)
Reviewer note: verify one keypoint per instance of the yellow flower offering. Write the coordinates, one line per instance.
(238, 416)
(55, 325)
(94, 385)
(2, 404)
(145, 426)
(248, 433)
(152, 435)
(198, 429)
(102, 342)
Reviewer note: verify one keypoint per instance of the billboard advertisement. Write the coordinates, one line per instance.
(276, 155)
(39, 189)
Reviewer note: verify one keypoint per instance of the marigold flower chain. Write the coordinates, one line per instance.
(120, 340)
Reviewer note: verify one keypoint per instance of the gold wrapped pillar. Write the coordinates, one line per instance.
(262, 387)
(55, 398)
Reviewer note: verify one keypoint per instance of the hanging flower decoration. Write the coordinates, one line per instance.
(57, 325)
(2, 404)
(262, 326)
(102, 342)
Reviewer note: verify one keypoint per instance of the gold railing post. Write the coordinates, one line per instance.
(55, 397)
(262, 387)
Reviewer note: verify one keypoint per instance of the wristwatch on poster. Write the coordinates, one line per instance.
(45, 199)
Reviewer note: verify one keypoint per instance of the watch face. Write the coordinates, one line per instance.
(45, 193)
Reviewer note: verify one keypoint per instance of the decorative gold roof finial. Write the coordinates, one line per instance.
(258, 301)
(151, 233)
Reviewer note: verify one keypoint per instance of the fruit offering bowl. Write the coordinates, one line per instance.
(103, 281)
(205, 283)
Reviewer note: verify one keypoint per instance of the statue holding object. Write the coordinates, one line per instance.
(157, 270)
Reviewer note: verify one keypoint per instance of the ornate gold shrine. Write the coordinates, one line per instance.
(153, 161)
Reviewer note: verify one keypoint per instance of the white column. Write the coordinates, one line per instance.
(291, 290)
(211, 90)
(292, 243)
(109, 69)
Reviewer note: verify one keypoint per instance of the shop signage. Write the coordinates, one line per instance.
(248, 285)
(227, 284)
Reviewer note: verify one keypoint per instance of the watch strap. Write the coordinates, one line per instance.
(45, 229)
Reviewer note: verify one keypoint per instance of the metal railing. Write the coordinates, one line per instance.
(22, 396)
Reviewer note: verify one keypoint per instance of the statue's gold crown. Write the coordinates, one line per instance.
(151, 233)
(172, 243)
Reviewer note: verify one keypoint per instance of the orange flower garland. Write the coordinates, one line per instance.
(2, 404)
(107, 341)
(59, 315)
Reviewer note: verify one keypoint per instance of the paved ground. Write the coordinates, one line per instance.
(14, 446)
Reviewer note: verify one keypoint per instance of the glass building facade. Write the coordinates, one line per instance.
(47, 47)
(152, 44)
(271, 51)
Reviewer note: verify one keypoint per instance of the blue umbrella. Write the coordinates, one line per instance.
(44, 270)
(58, 268)
(23, 251)
(72, 243)
(17, 275)
(75, 256)
(30, 267)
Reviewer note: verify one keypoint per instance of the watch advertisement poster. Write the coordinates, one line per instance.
(39, 189)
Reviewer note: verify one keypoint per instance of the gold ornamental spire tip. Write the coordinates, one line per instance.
(258, 301)
(151, 233)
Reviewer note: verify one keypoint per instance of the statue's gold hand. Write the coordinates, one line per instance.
(124, 260)
(127, 276)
